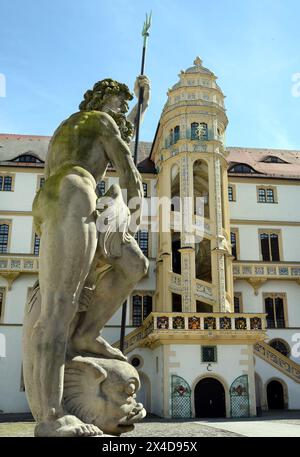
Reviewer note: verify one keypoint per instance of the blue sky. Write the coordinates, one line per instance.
(51, 51)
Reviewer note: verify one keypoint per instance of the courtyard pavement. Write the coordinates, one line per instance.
(286, 424)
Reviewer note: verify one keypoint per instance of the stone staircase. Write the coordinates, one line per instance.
(277, 360)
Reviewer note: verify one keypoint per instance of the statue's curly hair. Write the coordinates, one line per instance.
(96, 98)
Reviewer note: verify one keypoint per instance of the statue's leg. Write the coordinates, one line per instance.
(111, 291)
(68, 244)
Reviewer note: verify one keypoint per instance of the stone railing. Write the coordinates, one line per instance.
(19, 263)
(267, 270)
(278, 360)
(223, 326)
(202, 289)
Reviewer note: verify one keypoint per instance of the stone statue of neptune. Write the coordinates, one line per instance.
(76, 383)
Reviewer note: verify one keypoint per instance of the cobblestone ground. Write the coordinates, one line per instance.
(23, 426)
(147, 428)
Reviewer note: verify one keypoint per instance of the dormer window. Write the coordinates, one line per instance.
(241, 168)
(273, 159)
(27, 158)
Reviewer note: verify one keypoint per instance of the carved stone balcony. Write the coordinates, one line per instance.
(257, 273)
(12, 265)
(197, 328)
(270, 270)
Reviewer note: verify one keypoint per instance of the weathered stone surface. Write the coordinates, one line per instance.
(84, 276)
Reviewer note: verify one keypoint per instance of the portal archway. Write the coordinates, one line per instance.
(209, 397)
(275, 395)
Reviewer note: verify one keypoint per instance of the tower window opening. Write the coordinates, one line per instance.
(176, 303)
(176, 133)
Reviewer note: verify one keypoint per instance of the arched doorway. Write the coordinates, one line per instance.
(275, 395)
(210, 398)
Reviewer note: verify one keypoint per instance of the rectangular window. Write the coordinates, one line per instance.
(141, 308)
(145, 188)
(36, 246)
(142, 239)
(269, 243)
(136, 310)
(101, 188)
(42, 182)
(147, 305)
(266, 195)
(237, 303)
(233, 244)
(274, 307)
(230, 193)
(176, 133)
(6, 183)
(270, 196)
(176, 303)
(4, 232)
(209, 354)
(2, 296)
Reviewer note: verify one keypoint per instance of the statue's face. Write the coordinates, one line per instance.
(120, 409)
(115, 103)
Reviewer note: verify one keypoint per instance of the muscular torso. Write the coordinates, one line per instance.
(80, 141)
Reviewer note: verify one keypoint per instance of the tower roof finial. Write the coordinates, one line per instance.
(198, 61)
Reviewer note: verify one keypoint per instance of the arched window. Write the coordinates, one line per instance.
(280, 346)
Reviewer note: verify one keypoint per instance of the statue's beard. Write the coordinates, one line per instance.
(126, 127)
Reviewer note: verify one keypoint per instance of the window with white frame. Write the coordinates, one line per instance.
(266, 195)
(6, 183)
